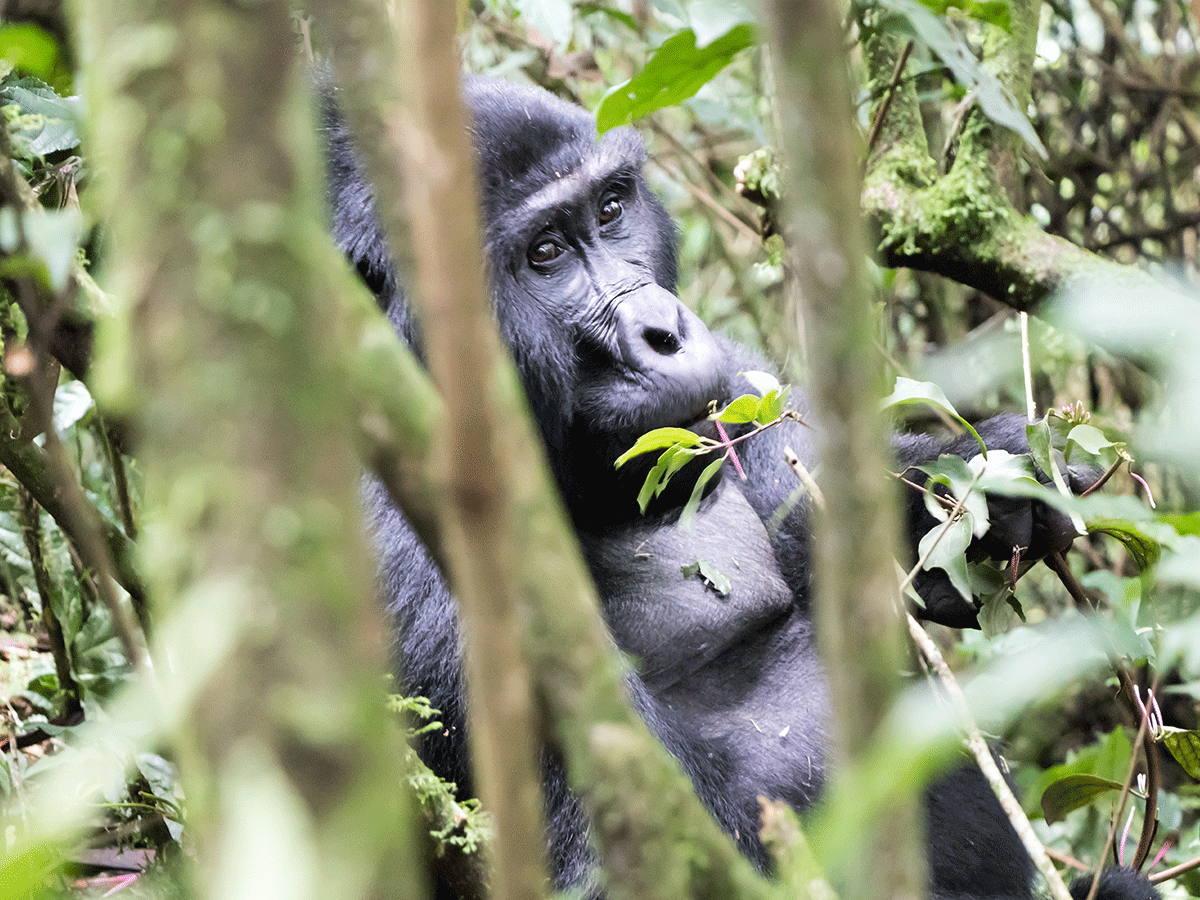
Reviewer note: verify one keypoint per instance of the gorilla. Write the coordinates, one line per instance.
(582, 262)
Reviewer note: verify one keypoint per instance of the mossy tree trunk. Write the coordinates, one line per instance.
(206, 145)
(856, 602)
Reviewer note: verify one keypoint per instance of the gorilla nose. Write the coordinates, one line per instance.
(658, 334)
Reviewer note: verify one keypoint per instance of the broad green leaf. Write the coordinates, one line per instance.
(659, 439)
(1144, 549)
(688, 515)
(710, 574)
(1185, 747)
(1089, 438)
(30, 48)
(48, 124)
(739, 411)
(1073, 792)
(656, 477)
(676, 71)
(994, 12)
(949, 542)
(772, 406)
(957, 474)
(908, 391)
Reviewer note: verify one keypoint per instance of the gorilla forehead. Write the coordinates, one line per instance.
(536, 151)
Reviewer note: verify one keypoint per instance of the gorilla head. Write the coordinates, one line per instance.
(582, 260)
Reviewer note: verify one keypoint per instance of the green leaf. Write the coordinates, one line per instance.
(1043, 447)
(908, 392)
(659, 439)
(710, 574)
(1185, 747)
(1089, 439)
(676, 71)
(30, 49)
(743, 409)
(1144, 549)
(1073, 792)
(959, 476)
(48, 123)
(772, 406)
(688, 516)
(949, 554)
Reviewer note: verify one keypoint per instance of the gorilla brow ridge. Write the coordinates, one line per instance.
(619, 155)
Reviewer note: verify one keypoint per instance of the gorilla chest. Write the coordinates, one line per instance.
(663, 595)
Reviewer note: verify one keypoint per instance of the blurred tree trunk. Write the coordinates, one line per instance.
(856, 602)
(203, 134)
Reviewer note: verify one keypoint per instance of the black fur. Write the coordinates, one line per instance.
(583, 267)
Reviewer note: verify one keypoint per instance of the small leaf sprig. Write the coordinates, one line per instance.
(679, 446)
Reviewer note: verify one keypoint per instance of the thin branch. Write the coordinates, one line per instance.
(882, 111)
(987, 763)
(1174, 871)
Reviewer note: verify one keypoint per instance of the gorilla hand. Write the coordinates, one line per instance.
(1022, 530)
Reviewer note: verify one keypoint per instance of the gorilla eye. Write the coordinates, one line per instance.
(544, 252)
(610, 211)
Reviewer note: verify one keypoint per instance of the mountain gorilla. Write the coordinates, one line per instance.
(583, 266)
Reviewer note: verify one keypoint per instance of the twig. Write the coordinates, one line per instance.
(1104, 478)
(1174, 871)
(987, 763)
(1150, 814)
(116, 462)
(890, 92)
(1058, 565)
(1027, 368)
(805, 477)
(1120, 808)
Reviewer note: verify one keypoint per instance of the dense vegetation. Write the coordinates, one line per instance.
(1086, 210)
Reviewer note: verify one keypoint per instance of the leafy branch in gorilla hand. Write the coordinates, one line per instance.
(679, 446)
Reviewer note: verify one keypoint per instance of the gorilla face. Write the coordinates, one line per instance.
(583, 269)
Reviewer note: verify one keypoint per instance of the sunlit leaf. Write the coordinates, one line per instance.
(743, 409)
(676, 71)
(763, 382)
(659, 439)
(688, 516)
(1185, 747)
(908, 391)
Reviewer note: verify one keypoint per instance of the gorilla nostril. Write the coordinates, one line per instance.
(662, 341)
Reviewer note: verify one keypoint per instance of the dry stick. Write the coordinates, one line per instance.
(1175, 871)
(1059, 566)
(1027, 368)
(975, 741)
(881, 113)
(1117, 813)
(987, 763)
(1150, 815)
